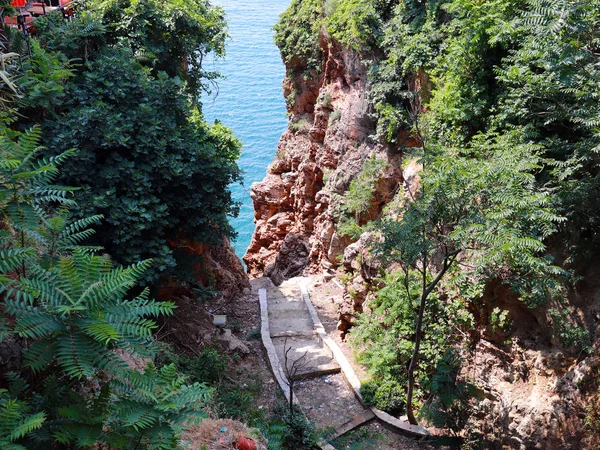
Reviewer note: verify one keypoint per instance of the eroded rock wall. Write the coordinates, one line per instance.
(325, 147)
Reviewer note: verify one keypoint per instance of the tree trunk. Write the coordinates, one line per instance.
(414, 361)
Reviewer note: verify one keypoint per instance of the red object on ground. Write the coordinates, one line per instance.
(244, 443)
(18, 3)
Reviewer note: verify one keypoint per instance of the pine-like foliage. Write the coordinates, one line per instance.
(15, 420)
(156, 404)
(77, 313)
(75, 310)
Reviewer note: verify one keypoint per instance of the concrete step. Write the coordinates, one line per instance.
(286, 304)
(328, 400)
(313, 358)
(292, 325)
(289, 314)
(287, 292)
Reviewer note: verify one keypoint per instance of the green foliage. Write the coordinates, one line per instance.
(146, 160)
(15, 421)
(358, 439)
(298, 126)
(486, 203)
(353, 208)
(450, 402)
(153, 407)
(387, 394)
(209, 367)
(172, 37)
(354, 23)
(254, 334)
(77, 314)
(335, 116)
(499, 320)
(299, 432)
(568, 333)
(297, 35)
(384, 338)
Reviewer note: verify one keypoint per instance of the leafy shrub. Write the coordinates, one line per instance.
(299, 431)
(383, 339)
(570, 335)
(146, 161)
(357, 439)
(335, 116)
(388, 395)
(254, 334)
(298, 126)
(208, 367)
(499, 320)
(450, 402)
(353, 207)
(77, 314)
(354, 23)
(171, 36)
(297, 34)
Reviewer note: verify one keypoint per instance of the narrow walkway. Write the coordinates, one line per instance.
(325, 385)
(319, 387)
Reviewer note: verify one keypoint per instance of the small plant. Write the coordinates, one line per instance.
(360, 439)
(569, 335)
(335, 116)
(499, 320)
(299, 433)
(451, 402)
(298, 126)
(291, 368)
(346, 278)
(254, 334)
(387, 394)
(291, 98)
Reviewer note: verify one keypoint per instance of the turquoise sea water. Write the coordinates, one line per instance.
(249, 100)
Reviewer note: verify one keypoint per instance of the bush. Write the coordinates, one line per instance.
(300, 432)
(388, 395)
(297, 34)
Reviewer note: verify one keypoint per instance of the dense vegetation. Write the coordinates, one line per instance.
(107, 103)
(147, 162)
(503, 97)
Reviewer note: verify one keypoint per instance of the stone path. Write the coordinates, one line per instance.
(325, 385)
(321, 390)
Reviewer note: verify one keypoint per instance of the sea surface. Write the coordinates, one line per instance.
(249, 99)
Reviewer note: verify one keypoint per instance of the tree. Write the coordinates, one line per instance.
(146, 159)
(482, 205)
(75, 312)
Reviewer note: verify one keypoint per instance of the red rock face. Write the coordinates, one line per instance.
(218, 267)
(317, 158)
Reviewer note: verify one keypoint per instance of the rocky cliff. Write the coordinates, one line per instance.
(325, 147)
(535, 394)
